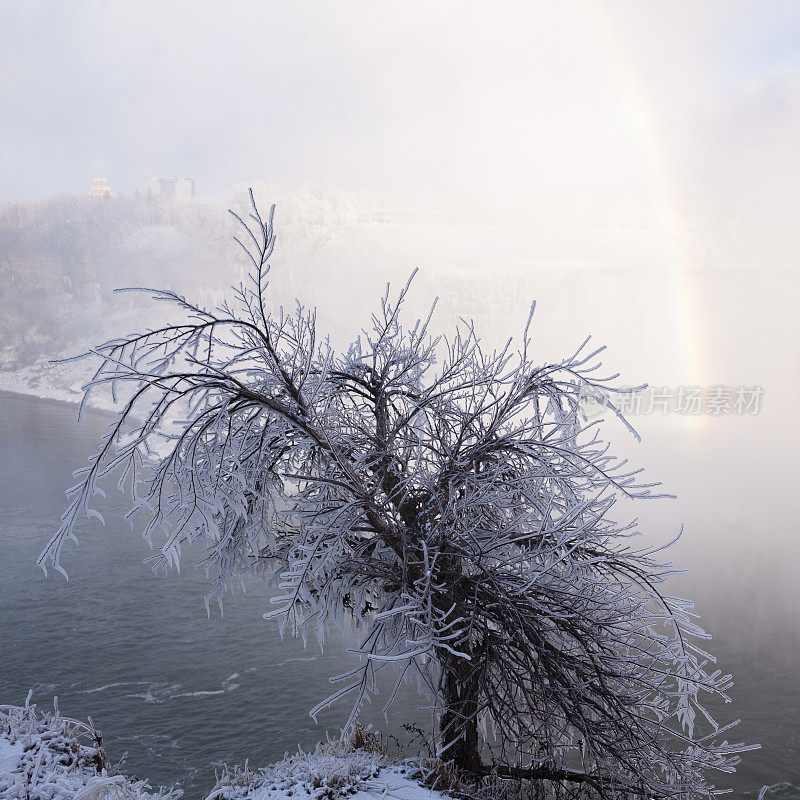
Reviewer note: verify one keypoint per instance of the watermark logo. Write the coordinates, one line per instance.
(716, 400)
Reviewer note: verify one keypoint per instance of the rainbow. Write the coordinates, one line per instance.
(682, 288)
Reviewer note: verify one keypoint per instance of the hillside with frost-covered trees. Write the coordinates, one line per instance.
(62, 258)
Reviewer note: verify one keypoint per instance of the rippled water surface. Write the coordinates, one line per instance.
(182, 693)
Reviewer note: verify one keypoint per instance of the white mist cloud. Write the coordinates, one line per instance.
(514, 107)
(678, 119)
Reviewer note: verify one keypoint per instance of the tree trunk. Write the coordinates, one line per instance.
(459, 723)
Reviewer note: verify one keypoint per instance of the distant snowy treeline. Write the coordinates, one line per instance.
(61, 258)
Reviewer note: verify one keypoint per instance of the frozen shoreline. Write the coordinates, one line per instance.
(50, 757)
(44, 756)
(60, 382)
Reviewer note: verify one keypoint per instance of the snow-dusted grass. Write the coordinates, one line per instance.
(331, 771)
(44, 756)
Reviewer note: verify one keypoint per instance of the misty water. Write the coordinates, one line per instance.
(182, 693)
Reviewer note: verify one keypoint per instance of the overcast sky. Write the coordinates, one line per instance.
(492, 108)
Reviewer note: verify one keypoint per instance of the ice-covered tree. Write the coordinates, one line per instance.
(450, 501)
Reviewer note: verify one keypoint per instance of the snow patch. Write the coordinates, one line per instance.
(332, 771)
(10, 754)
(52, 381)
(50, 757)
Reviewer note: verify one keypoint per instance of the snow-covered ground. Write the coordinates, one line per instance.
(330, 772)
(44, 756)
(52, 381)
(10, 754)
(50, 757)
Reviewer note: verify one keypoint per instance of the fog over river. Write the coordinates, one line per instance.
(631, 167)
(182, 693)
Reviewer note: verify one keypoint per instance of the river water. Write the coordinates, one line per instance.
(182, 693)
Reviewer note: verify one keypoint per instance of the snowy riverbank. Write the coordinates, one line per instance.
(51, 381)
(44, 756)
(330, 772)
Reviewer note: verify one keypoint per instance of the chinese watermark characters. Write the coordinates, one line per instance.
(717, 400)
